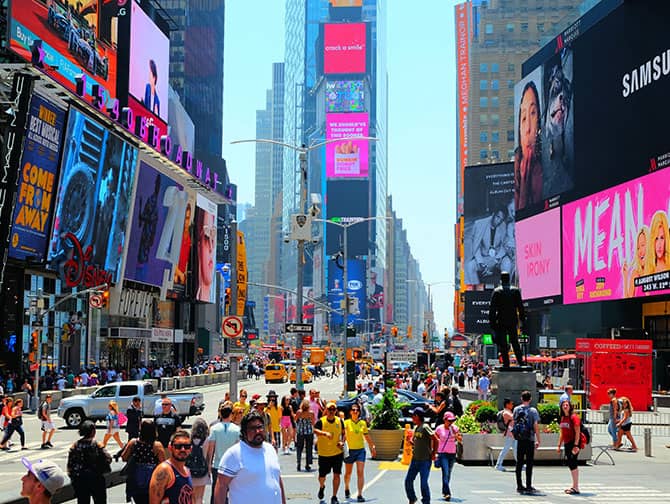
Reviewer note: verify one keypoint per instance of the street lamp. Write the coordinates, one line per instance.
(303, 150)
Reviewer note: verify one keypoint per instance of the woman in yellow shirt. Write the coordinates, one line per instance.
(356, 434)
(243, 402)
(275, 417)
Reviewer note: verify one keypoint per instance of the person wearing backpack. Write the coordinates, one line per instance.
(505, 421)
(48, 427)
(527, 434)
(197, 459)
(572, 440)
(87, 463)
(142, 455)
(222, 436)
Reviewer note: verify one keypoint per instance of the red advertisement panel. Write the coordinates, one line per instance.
(344, 48)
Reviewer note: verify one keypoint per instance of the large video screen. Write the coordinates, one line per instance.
(477, 305)
(205, 250)
(616, 243)
(488, 236)
(66, 38)
(344, 50)
(356, 288)
(31, 222)
(161, 216)
(345, 96)
(93, 202)
(538, 245)
(347, 200)
(348, 158)
(149, 63)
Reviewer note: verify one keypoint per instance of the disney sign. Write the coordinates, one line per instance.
(78, 270)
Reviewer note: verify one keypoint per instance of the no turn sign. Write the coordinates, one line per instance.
(232, 327)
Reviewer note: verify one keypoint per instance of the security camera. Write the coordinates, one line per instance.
(315, 241)
(314, 210)
(287, 239)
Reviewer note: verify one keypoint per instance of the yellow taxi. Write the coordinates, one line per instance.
(275, 373)
(307, 376)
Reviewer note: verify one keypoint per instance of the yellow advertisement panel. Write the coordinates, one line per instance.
(241, 274)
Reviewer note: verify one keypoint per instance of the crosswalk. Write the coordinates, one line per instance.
(58, 453)
(592, 492)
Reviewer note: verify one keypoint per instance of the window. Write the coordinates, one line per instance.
(495, 68)
(510, 119)
(540, 27)
(510, 154)
(109, 391)
(524, 27)
(510, 27)
(483, 67)
(510, 84)
(495, 136)
(495, 119)
(495, 84)
(483, 136)
(510, 135)
(510, 101)
(483, 85)
(127, 390)
(483, 154)
(483, 119)
(495, 102)
(489, 28)
(483, 101)
(495, 154)
(510, 67)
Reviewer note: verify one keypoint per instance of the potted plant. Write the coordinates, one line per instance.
(385, 429)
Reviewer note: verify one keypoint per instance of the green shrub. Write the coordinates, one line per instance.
(475, 405)
(468, 425)
(548, 413)
(486, 413)
(553, 427)
(386, 413)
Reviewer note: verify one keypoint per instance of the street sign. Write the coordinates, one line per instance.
(299, 328)
(402, 356)
(95, 301)
(298, 353)
(232, 327)
(307, 339)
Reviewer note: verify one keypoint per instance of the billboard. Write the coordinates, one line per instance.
(488, 234)
(344, 50)
(149, 63)
(375, 300)
(345, 96)
(345, 201)
(67, 38)
(205, 249)
(356, 288)
(462, 17)
(157, 227)
(142, 130)
(538, 242)
(31, 222)
(93, 202)
(616, 243)
(477, 312)
(348, 158)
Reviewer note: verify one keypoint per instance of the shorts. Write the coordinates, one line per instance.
(334, 463)
(626, 427)
(48, 426)
(355, 456)
(570, 457)
(285, 422)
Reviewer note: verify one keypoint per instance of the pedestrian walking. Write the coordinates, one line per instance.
(249, 470)
(167, 423)
(48, 427)
(15, 425)
(506, 431)
(171, 480)
(570, 438)
(527, 435)
(483, 385)
(197, 461)
(275, 417)
(454, 403)
(222, 436)
(43, 479)
(87, 464)
(305, 434)
(440, 407)
(134, 414)
(424, 443)
(286, 423)
(6, 413)
(261, 406)
(243, 402)
(142, 454)
(614, 415)
(356, 433)
(331, 437)
(625, 424)
(448, 434)
(112, 425)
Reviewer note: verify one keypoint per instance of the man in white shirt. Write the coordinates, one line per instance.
(421, 389)
(378, 395)
(61, 382)
(84, 378)
(222, 436)
(566, 395)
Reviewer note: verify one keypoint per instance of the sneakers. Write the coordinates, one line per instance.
(298, 468)
(347, 493)
(322, 492)
(501, 469)
(531, 490)
(48, 443)
(360, 498)
(308, 468)
(44, 446)
(333, 500)
(520, 490)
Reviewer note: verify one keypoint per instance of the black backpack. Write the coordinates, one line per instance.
(523, 425)
(500, 421)
(42, 415)
(196, 461)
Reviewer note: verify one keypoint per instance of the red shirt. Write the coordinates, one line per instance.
(568, 427)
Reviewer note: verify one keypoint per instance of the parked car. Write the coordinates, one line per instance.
(406, 396)
(75, 409)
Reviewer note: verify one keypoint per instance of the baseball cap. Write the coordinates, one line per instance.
(418, 411)
(255, 397)
(47, 473)
(331, 404)
(449, 416)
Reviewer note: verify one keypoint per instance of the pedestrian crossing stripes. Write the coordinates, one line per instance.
(594, 493)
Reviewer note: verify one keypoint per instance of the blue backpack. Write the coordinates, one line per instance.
(523, 424)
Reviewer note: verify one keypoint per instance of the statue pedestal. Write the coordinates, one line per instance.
(510, 382)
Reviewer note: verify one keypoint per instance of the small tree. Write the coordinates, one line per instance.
(386, 413)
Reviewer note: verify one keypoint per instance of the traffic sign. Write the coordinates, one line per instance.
(299, 328)
(232, 327)
(307, 339)
(95, 301)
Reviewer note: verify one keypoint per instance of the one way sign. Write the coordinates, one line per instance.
(299, 328)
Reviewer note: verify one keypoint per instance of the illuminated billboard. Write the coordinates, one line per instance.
(477, 312)
(31, 222)
(205, 250)
(345, 96)
(139, 111)
(65, 38)
(356, 289)
(348, 158)
(538, 245)
(157, 226)
(93, 202)
(344, 48)
(347, 200)
(616, 243)
(462, 17)
(149, 63)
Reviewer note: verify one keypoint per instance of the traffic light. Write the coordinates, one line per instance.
(409, 331)
(34, 341)
(227, 299)
(425, 337)
(325, 328)
(394, 331)
(105, 298)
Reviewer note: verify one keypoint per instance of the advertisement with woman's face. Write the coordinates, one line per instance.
(205, 250)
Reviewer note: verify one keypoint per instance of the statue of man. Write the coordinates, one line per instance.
(505, 313)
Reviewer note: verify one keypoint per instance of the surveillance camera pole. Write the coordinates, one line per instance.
(301, 272)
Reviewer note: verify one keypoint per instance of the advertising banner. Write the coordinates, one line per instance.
(347, 200)
(149, 63)
(616, 242)
(462, 17)
(477, 312)
(93, 203)
(488, 234)
(67, 38)
(344, 50)
(31, 222)
(205, 249)
(356, 288)
(348, 158)
(242, 273)
(538, 242)
(157, 227)
(345, 96)
(375, 301)
(142, 130)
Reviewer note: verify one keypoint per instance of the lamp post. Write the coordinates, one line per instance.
(302, 150)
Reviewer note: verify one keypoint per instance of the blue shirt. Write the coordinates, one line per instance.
(484, 383)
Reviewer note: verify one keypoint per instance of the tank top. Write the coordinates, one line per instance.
(286, 410)
(144, 453)
(304, 426)
(181, 490)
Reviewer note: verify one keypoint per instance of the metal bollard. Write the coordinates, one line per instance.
(647, 442)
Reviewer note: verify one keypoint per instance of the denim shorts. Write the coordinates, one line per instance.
(355, 456)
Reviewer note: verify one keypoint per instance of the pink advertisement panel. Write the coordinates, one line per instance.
(616, 243)
(538, 243)
(348, 158)
(344, 48)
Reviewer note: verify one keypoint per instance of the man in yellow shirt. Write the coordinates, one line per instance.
(330, 447)
(356, 431)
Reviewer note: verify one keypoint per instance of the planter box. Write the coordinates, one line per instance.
(387, 443)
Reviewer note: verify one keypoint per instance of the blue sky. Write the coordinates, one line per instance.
(422, 120)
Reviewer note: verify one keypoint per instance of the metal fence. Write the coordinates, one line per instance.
(658, 422)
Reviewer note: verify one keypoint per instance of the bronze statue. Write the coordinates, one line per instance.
(505, 313)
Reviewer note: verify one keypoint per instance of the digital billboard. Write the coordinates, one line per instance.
(345, 96)
(616, 242)
(348, 158)
(149, 63)
(142, 130)
(347, 200)
(462, 16)
(477, 312)
(538, 245)
(205, 250)
(157, 226)
(31, 222)
(65, 38)
(93, 202)
(488, 234)
(344, 48)
(356, 288)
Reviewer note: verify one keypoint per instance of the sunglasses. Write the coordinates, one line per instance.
(182, 446)
(243, 395)
(355, 410)
(166, 405)
(332, 409)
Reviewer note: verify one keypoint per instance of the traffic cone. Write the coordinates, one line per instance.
(407, 446)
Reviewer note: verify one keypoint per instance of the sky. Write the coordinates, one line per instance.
(421, 115)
